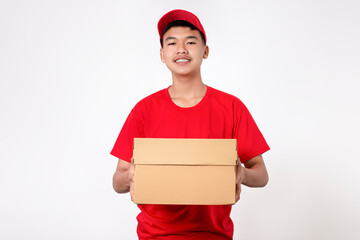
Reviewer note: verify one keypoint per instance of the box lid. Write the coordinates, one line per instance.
(189, 151)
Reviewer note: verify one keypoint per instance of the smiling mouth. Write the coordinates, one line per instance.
(182, 60)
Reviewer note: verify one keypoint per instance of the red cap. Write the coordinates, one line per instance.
(179, 14)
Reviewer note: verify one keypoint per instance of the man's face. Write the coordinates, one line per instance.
(183, 50)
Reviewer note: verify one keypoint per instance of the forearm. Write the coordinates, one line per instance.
(255, 176)
(121, 182)
(254, 173)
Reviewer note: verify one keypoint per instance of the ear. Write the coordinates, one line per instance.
(162, 55)
(206, 52)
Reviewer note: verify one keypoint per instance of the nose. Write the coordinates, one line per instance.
(182, 48)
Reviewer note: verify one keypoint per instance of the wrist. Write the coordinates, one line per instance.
(244, 179)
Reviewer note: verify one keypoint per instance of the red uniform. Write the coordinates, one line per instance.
(217, 115)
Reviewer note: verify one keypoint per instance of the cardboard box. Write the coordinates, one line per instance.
(184, 171)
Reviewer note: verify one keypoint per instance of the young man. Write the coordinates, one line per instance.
(188, 109)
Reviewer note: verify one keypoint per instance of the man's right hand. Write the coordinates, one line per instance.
(123, 179)
(131, 174)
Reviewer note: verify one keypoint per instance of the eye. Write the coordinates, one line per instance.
(172, 43)
(191, 43)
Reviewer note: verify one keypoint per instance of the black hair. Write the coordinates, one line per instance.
(181, 23)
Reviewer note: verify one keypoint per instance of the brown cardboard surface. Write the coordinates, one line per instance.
(184, 171)
(184, 151)
(210, 185)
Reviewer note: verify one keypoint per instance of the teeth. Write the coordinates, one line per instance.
(182, 60)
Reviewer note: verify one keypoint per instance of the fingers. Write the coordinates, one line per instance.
(238, 176)
(238, 180)
(131, 181)
(237, 193)
(238, 163)
(239, 173)
(132, 192)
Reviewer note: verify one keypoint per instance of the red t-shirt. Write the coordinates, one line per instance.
(217, 115)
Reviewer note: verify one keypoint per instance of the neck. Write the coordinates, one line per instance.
(187, 87)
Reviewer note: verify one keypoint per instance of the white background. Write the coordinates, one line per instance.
(72, 70)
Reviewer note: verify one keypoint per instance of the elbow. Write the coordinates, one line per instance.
(118, 183)
(262, 180)
(116, 189)
(265, 180)
(119, 189)
(115, 186)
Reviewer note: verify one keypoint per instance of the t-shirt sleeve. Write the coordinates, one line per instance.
(132, 128)
(250, 141)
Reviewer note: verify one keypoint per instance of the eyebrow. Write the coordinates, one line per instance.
(187, 37)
